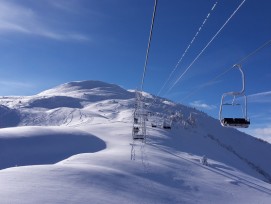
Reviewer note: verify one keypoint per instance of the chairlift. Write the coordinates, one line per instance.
(242, 122)
(166, 125)
(154, 125)
(136, 134)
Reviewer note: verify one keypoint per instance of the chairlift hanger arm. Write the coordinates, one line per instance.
(239, 66)
(237, 93)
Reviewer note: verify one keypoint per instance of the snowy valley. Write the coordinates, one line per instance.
(72, 144)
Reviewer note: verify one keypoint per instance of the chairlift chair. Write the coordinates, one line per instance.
(242, 122)
(166, 125)
(136, 134)
(154, 125)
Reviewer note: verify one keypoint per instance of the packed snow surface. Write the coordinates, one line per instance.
(73, 144)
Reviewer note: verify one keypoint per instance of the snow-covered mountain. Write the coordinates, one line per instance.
(72, 144)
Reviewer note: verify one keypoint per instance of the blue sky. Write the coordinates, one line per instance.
(48, 42)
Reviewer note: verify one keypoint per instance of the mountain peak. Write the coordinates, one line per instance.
(87, 86)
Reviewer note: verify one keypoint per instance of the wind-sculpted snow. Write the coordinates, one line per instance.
(85, 85)
(55, 102)
(39, 145)
(8, 117)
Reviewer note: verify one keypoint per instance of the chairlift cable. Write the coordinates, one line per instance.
(139, 100)
(149, 45)
(265, 44)
(180, 77)
(188, 47)
(207, 83)
(185, 52)
(254, 52)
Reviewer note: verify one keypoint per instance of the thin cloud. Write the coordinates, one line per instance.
(15, 84)
(63, 5)
(15, 18)
(263, 97)
(266, 116)
(262, 133)
(15, 87)
(200, 105)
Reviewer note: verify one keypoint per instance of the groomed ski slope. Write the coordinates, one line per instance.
(86, 156)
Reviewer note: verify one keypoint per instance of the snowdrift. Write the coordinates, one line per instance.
(44, 145)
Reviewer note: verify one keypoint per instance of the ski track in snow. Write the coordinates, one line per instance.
(231, 177)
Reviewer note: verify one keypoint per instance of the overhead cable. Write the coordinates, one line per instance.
(189, 45)
(179, 78)
(265, 44)
(149, 45)
(254, 52)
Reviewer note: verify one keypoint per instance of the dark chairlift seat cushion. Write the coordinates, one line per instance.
(235, 121)
(138, 137)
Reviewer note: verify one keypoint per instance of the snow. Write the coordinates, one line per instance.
(72, 144)
(44, 145)
(168, 103)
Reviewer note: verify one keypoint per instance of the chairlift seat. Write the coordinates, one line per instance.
(235, 122)
(138, 137)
